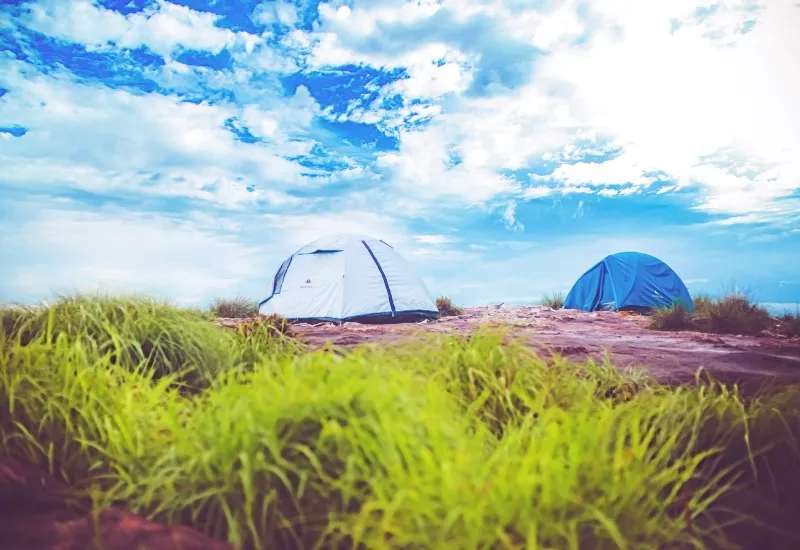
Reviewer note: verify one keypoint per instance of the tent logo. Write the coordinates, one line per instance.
(307, 284)
(308, 281)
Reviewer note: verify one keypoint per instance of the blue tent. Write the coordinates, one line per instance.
(628, 281)
(348, 278)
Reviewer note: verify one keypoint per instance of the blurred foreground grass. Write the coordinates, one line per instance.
(436, 442)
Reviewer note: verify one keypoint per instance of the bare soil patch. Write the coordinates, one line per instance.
(34, 515)
(671, 357)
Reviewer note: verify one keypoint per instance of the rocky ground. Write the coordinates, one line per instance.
(668, 356)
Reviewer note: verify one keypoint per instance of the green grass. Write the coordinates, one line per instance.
(553, 301)
(436, 442)
(236, 307)
(137, 333)
(703, 304)
(131, 332)
(675, 317)
(789, 324)
(733, 313)
(447, 308)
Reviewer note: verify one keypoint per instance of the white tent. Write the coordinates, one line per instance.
(348, 278)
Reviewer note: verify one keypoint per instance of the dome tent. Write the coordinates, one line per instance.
(348, 278)
(628, 281)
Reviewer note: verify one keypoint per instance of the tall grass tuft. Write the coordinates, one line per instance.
(789, 324)
(265, 336)
(553, 301)
(131, 332)
(735, 313)
(702, 304)
(237, 307)
(447, 308)
(67, 407)
(675, 317)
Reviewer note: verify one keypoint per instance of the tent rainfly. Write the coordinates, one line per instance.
(628, 281)
(348, 278)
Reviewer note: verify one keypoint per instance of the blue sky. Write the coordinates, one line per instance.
(185, 148)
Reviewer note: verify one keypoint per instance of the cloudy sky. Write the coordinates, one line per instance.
(184, 148)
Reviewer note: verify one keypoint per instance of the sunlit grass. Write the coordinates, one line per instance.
(435, 442)
(236, 307)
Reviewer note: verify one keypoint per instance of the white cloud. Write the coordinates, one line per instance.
(664, 85)
(433, 239)
(422, 168)
(489, 135)
(101, 139)
(118, 251)
(301, 229)
(433, 72)
(281, 12)
(162, 27)
(444, 48)
(510, 217)
(669, 100)
(537, 192)
(617, 171)
(578, 211)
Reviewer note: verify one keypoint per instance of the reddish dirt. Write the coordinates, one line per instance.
(34, 516)
(672, 357)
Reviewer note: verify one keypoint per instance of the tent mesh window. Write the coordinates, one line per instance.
(322, 251)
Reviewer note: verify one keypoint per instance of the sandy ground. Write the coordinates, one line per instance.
(668, 356)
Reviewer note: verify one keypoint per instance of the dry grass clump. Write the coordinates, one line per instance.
(237, 307)
(447, 308)
(675, 317)
(734, 313)
(789, 324)
(273, 325)
(438, 442)
(553, 301)
(703, 303)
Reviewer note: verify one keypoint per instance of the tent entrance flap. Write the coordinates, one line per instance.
(277, 282)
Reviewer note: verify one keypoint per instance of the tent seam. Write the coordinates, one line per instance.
(383, 276)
